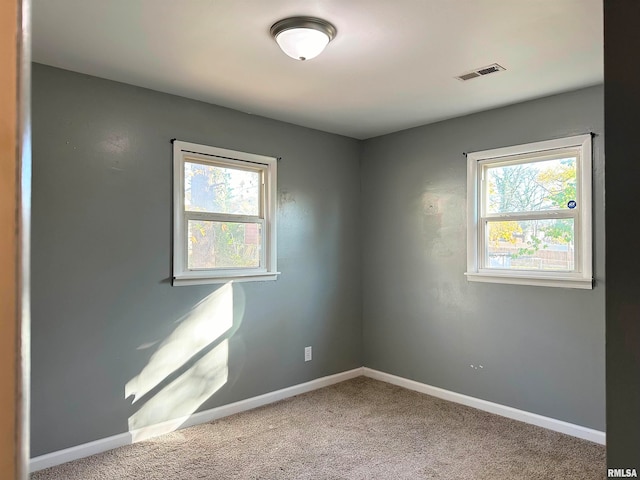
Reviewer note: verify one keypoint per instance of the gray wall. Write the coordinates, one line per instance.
(542, 348)
(102, 300)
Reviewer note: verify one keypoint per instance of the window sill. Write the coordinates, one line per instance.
(537, 280)
(184, 280)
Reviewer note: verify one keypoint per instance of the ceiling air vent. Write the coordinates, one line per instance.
(479, 72)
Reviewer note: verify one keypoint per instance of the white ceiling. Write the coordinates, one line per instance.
(391, 66)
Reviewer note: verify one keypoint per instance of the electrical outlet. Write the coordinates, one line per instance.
(307, 354)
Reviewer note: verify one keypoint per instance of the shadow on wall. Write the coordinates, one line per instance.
(186, 369)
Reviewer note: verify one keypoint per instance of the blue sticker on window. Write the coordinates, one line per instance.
(572, 204)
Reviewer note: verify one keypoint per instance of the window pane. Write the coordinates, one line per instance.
(216, 189)
(531, 245)
(535, 186)
(223, 244)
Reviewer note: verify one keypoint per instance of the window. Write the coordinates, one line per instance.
(224, 215)
(529, 214)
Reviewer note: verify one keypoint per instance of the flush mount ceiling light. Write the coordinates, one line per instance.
(303, 38)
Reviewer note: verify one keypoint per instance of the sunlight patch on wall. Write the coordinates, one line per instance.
(208, 320)
(187, 368)
(182, 397)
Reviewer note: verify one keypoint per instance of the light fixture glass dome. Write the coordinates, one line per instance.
(302, 43)
(303, 38)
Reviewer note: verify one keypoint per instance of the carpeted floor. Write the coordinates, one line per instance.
(359, 429)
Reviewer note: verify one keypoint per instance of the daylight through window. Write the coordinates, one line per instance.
(529, 214)
(224, 215)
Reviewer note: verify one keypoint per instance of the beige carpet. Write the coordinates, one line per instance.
(359, 429)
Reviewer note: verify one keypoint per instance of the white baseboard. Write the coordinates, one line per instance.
(502, 410)
(122, 439)
(98, 446)
(80, 451)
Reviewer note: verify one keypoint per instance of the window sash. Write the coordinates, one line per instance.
(483, 248)
(551, 214)
(217, 217)
(483, 236)
(227, 163)
(525, 159)
(216, 161)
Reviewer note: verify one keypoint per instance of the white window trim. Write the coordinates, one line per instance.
(268, 270)
(583, 276)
